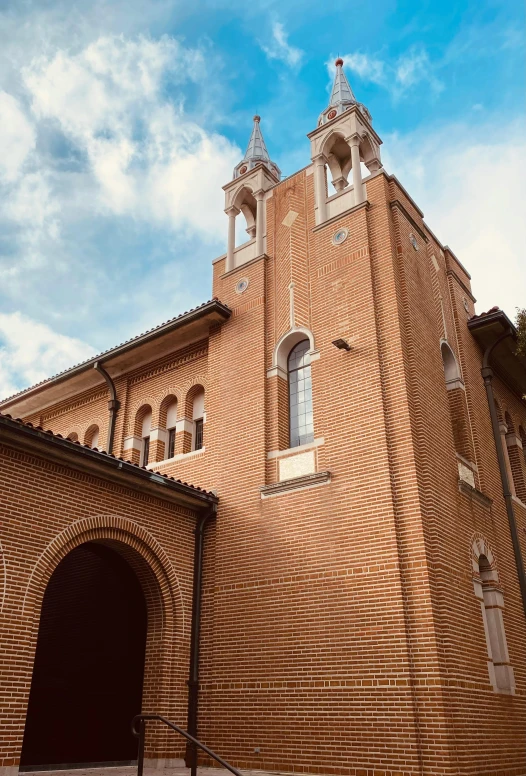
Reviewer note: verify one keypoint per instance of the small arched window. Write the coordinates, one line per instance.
(300, 395)
(73, 436)
(451, 370)
(198, 413)
(145, 434)
(487, 590)
(515, 454)
(171, 419)
(522, 435)
(91, 437)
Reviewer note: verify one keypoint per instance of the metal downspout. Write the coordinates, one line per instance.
(193, 679)
(487, 374)
(113, 404)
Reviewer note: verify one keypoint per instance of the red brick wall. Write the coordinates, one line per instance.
(50, 509)
(341, 632)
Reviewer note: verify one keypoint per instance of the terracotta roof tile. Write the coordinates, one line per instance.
(109, 350)
(102, 453)
(483, 315)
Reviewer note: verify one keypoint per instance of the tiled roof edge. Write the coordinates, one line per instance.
(107, 353)
(103, 456)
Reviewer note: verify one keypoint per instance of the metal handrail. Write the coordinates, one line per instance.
(141, 732)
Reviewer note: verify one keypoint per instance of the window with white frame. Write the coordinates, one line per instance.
(145, 436)
(300, 395)
(198, 414)
(489, 593)
(171, 419)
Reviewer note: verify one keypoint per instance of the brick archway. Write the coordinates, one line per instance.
(165, 639)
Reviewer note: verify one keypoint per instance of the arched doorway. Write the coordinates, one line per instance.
(89, 662)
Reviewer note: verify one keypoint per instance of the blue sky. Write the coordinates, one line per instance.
(120, 121)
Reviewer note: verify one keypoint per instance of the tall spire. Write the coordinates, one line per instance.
(342, 94)
(342, 97)
(256, 153)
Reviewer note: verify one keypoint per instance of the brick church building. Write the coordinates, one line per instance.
(341, 590)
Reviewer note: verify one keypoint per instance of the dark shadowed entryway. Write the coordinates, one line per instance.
(89, 663)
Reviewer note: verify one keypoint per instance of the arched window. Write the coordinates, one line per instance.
(522, 435)
(300, 395)
(515, 455)
(458, 410)
(487, 590)
(198, 414)
(451, 370)
(91, 436)
(171, 419)
(504, 419)
(145, 433)
(142, 426)
(73, 436)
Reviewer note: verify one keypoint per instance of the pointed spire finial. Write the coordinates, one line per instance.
(342, 96)
(256, 153)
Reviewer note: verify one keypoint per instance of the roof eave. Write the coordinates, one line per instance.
(510, 367)
(35, 441)
(210, 308)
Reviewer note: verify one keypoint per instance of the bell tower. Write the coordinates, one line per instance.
(253, 177)
(344, 138)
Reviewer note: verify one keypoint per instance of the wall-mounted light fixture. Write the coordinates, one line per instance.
(341, 344)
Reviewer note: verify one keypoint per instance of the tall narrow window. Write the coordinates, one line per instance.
(171, 443)
(300, 395)
(198, 415)
(198, 434)
(513, 444)
(145, 450)
(91, 437)
(145, 434)
(171, 420)
(487, 590)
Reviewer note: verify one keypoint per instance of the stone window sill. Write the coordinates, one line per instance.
(475, 495)
(296, 483)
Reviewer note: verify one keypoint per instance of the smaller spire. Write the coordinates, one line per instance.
(256, 153)
(256, 148)
(342, 97)
(341, 94)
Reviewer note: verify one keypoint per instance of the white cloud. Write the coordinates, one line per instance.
(407, 71)
(147, 158)
(281, 49)
(470, 184)
(368, 68)
(17, 137)
(413, 68)
(31, 352)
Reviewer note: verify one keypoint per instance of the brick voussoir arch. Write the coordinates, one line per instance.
(189, 390)
(480, 546)
(108, 528)
(101, 425)
(160, 401)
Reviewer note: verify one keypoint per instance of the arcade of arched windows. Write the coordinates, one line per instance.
(167, 426)
(90, 435)
(513, 440)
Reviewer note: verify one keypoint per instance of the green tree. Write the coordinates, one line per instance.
(521, 329)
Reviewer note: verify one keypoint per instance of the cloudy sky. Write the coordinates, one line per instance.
(120, 120)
